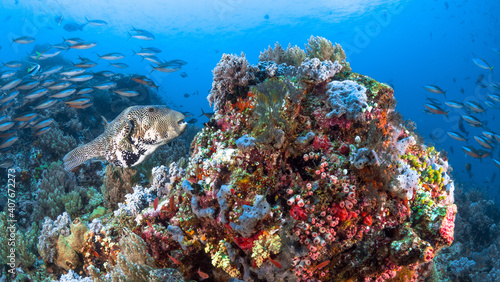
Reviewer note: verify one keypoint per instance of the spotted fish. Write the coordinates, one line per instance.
(131, 137)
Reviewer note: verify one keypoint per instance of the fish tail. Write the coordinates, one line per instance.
(83, 153)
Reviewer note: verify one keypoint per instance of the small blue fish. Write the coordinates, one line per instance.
(480, 62)
(471, 151)
(96, 22)
(434, 89)
(454, 104)
(9, 142)
(457, 136)
(483, 142)
(472, 121)
(435, 109)
(475, 107)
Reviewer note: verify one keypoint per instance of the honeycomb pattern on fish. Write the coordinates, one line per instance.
(131, 137)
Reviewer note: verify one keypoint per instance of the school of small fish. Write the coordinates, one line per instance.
(471, 113)
(29, 86)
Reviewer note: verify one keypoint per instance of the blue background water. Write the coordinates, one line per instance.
(405, 43)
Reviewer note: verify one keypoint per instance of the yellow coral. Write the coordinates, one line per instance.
(220, 258)
(264, 246)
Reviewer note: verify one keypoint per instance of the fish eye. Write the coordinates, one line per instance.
(180, 122)
(151, 109)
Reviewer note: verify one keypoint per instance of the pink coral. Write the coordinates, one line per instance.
(448, 224)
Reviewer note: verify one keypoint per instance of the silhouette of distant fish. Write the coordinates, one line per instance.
(74, 26)
(58, 19)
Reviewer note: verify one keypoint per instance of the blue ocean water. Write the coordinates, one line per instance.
(406, 44)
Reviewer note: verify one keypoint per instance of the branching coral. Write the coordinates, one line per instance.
(231, 77)
(292, 56)
(323, 49)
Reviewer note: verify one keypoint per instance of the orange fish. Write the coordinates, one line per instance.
(202, 274)
(174, 260)
(321, 265)
(84, 106)
(149, 224)
(278, 265)
(155, 204)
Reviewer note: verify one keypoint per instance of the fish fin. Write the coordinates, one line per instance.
(86, 19)
(202, 112)
(98, 56)
(83, 153)
(129, 35)
(105, 122)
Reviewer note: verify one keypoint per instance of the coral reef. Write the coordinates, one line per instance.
(475, 254)
(297, 178)
(304, 173)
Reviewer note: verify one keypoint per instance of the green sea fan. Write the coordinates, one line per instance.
(271, 98)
